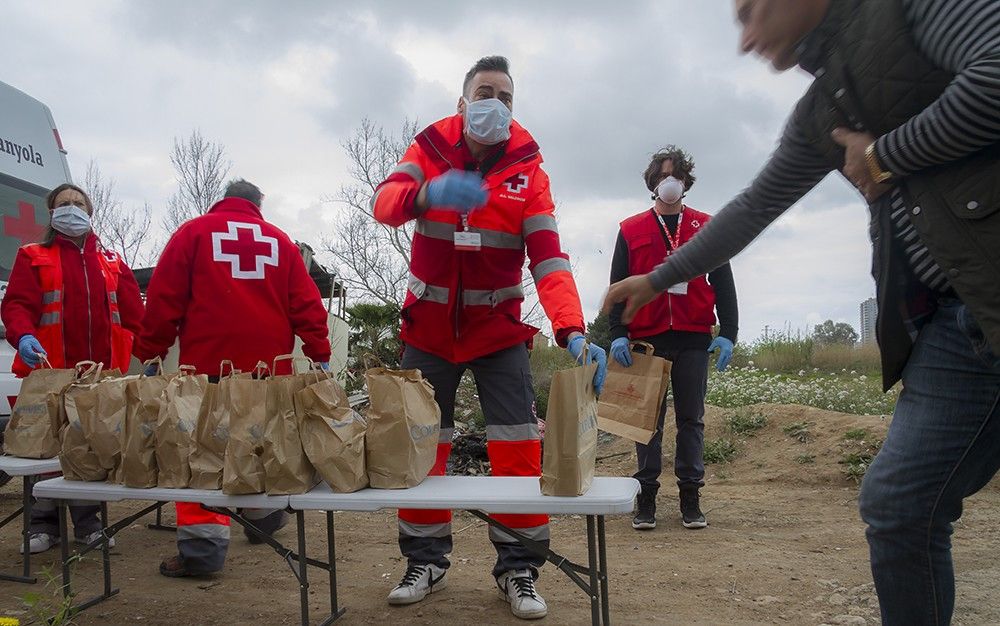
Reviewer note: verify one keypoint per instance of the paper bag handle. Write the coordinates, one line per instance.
(88, 369)
(647, 348)
(157, 361)
(290, 357)
(44, 361)
(187, 370)
(261, 370)
(222, 367)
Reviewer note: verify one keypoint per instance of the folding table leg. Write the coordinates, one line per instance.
(603, 574)
(300, 523)
(331, 553)
(595, 608)
(64, 549)
(106, 552)
(158, 524)
(26, 527)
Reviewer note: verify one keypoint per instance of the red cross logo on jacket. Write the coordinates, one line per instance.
(246, 249)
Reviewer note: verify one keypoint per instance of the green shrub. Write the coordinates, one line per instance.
(745, 422)
(719, 450)
(798, 431)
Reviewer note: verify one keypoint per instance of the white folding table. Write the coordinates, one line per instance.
(31, 470)
(63, 491)
(480, 496)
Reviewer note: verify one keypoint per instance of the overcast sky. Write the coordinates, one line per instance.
(601, 85)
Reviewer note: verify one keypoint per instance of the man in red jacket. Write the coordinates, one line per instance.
(474, 185)
(232, 286)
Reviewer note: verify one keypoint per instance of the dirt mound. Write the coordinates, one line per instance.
(794, 444)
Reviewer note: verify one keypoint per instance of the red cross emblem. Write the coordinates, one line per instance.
(246, 249)
(517, 184)
(23, 227)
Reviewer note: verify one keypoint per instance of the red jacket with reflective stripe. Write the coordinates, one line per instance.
(461, 305)
(233, 287)
(694, 312)
(81, 304)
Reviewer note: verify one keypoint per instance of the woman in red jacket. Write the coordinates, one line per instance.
(68, 300)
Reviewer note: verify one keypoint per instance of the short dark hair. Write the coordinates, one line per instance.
(494, 63)
(683, 167)
(50, 203)
(239, 188)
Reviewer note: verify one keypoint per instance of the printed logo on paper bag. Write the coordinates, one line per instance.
(418, 433)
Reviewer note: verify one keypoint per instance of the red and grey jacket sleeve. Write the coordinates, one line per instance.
(167, 298)
(549, 265)
(22, 304)
(306, 313)
(129, 300)
(395, 199)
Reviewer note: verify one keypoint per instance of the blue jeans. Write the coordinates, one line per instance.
(943, 445)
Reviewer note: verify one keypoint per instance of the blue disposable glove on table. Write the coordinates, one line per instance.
(595, 354)
(31, 350)
(456, 190)
(621, 351)
(725, 348)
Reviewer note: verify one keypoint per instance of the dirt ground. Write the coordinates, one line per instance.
(784, 545)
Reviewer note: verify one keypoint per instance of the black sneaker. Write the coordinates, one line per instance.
(691, 515)
(645, 516)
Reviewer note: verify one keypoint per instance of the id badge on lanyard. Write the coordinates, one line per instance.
(466, 241)
(680, 289)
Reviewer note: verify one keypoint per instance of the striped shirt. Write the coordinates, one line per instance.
(960, 36)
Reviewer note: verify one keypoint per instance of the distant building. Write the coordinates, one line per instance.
(869, 312)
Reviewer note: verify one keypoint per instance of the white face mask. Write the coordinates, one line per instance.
(70, 220)
(487, 121)
(670, 190)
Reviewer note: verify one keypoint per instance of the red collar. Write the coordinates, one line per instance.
(236, 205)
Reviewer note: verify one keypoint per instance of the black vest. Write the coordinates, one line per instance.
(871, 76)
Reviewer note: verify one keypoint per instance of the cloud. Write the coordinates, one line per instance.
(601, 86)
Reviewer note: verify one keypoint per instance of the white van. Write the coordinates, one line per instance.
(32, 162)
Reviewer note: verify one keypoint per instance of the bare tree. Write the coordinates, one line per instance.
(122, 229)
(201, 167)
(373, 258)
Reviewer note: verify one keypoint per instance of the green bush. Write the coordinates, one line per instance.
(545, 361)
(745, 422)
(721, 450)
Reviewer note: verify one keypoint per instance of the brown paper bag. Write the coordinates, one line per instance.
(211, 434)
(630, 402)
(143, 399)
(404, 423)
(37, 417)
(77, 457)
(287, 469)
(104, 427)
(333, 435)
(175, 427)
(243, 464)
(570, 447)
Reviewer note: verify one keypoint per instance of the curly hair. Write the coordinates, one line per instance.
(683, 167)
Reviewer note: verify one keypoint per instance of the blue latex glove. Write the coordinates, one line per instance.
(725, 348)
(30, 350)
(596, 354)
(325, 366)
(456, 190)
(621, 351)
(152, 369)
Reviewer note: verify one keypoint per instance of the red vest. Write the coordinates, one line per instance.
(693, 312)
(49, 332)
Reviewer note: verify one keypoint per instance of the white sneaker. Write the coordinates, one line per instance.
(518, 588)
(40, 542)
(94, 536)
(418, 581)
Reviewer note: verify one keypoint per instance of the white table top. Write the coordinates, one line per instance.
(16, 466)
(62, 489)
(490, 494)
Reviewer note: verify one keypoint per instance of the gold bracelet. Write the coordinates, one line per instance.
(874, 168)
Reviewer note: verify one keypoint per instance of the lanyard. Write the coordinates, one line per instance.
(675, 240)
